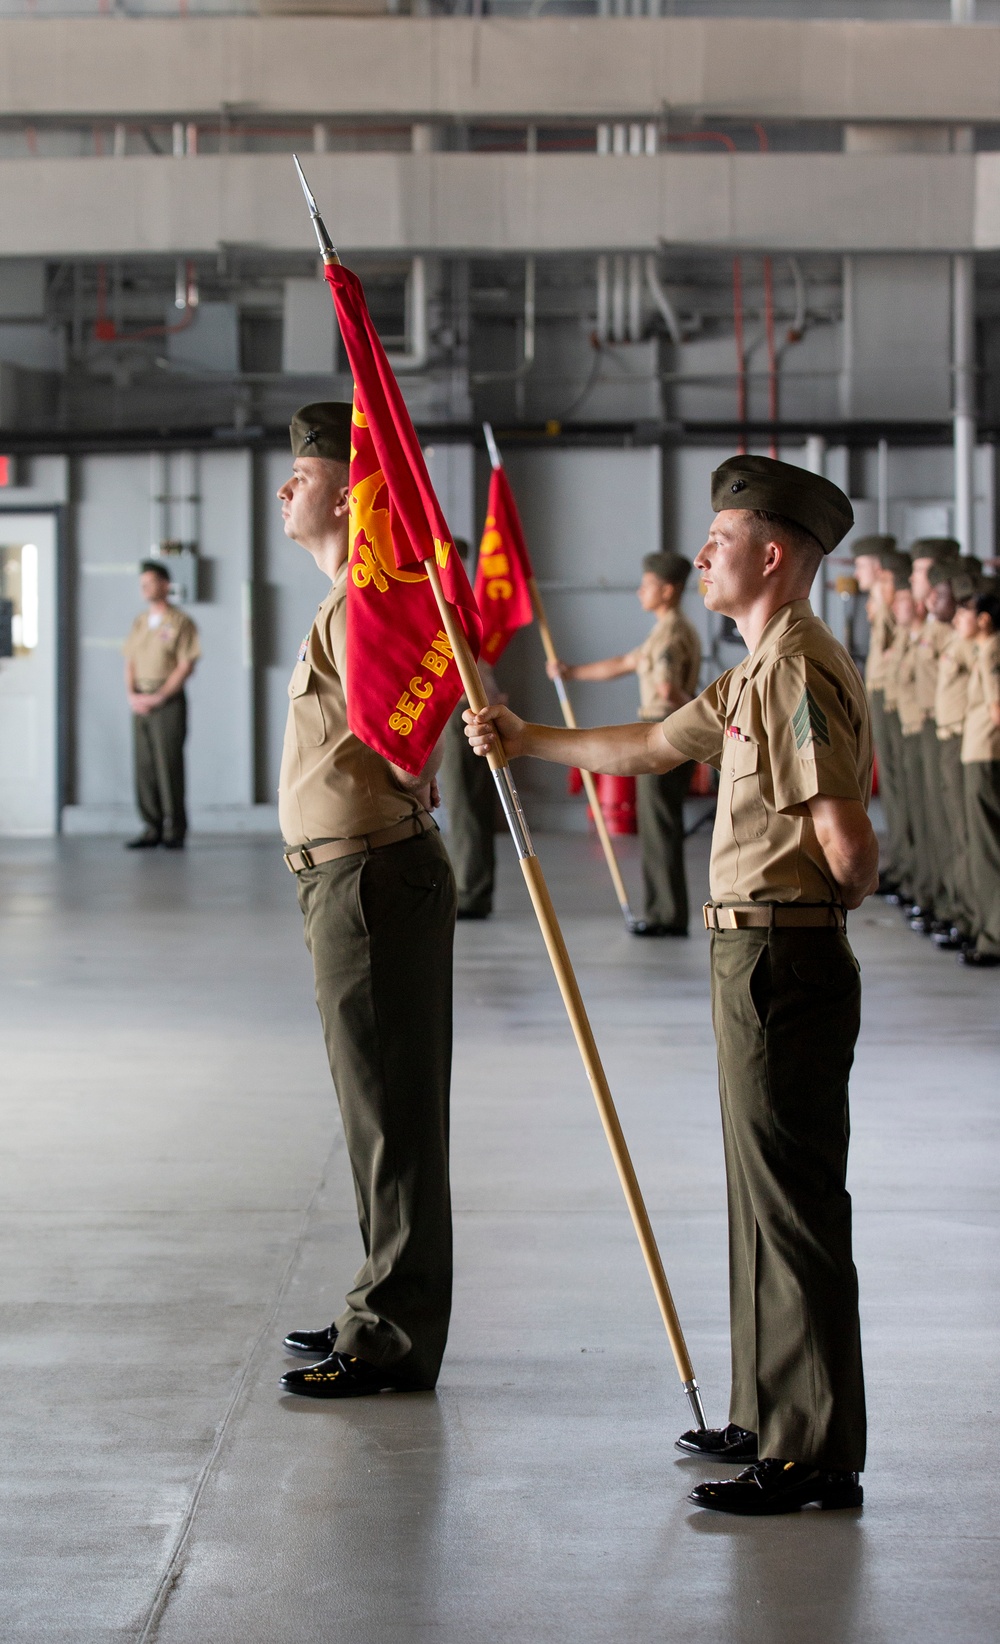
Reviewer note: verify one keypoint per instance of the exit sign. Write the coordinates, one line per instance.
(6, 471)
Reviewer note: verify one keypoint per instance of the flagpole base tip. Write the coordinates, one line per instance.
(697, 1408)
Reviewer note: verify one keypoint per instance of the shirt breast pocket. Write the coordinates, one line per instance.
(746, 807)
(307, 709)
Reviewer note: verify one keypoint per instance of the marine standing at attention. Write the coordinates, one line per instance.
(792, 850)
(378, 899)
(160, 653)
(667, 664)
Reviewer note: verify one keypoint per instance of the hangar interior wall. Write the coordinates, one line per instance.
(589, 514)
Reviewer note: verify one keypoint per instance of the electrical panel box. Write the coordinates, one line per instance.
(182, 562)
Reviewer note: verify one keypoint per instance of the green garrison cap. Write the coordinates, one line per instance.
(899, 565)
(874, 547)
(775, 487)
(935, 548)
(673, 568)
(948, 570)
(322, 430)
(891, 558)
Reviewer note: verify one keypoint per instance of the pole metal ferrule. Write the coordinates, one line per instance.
(694, 1399)
(517, 822)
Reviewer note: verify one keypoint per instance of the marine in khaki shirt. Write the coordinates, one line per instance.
(331, 786)
(981, 772)
(666, 665)
(378, 902)
(790, 723)
(161, 650)
(793, 847)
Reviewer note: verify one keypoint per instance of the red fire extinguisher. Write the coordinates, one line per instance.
(616, 795)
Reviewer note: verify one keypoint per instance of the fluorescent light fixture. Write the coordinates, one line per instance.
(29, 596)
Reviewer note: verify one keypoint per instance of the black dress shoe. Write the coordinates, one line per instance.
(341, 1377)
(728, 1444)
(144, 842)
(779, 1487)
(318, 1342)
(648, 927)
(894, 898)
(887, 887)
(472, 913)
(977, 960)
(923, 924)
(952, 940)
(175, 844)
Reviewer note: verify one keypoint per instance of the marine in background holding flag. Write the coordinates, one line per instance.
(504, 600)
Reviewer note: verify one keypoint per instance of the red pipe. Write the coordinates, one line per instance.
(105, 329)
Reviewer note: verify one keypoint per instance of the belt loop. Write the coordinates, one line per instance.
(770, 915)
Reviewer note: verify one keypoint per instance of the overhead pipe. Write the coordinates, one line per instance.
(528, 347)
(663, 303)
(417, 353)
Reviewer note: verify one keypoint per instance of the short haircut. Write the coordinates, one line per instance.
(789, 533)
(989, 605)
(154, 567)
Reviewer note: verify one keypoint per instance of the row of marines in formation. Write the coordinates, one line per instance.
(933, 678)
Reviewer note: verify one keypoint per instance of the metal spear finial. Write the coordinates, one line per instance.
(326, 245)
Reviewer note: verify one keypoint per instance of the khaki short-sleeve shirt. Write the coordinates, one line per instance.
(670, 656)
(911, 714)
(882, 630)
(981, 738)
(952, 696)
(790, 723)
(331, 786)
(154, 652)
(890, 668)
(931, 641)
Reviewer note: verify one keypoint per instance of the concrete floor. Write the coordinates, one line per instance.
(175, 1196)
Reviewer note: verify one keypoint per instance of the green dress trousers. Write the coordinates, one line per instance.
(900, 832)
(939, 844)
(786, 1007)
(469, 793)
(158, 742)
(953, 799)
(379, 927)
(921, 879)
(888, 787)
(982, 805)
(660, 815)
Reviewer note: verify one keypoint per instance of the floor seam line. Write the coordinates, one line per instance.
(168, 1580)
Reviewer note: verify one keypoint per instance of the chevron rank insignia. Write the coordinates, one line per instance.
(809, 723)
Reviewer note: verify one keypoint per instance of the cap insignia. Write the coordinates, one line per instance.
(739, 485)
(311, 437)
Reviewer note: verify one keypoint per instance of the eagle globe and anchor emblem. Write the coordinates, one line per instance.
(373, 562)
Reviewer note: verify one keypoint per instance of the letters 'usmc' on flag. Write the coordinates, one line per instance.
(402, 679)
(503, 591)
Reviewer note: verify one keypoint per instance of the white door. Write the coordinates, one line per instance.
(28, 758)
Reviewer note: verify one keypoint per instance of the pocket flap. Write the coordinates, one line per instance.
(298, 685)
(745, 757)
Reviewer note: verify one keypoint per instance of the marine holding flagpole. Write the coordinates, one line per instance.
(792, 851)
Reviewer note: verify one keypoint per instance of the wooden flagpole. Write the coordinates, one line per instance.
(569, 718)
(575, 1009)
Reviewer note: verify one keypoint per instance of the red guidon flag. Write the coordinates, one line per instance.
(402, 679)
(502, 591)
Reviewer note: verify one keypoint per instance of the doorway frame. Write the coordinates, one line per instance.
(58, 513)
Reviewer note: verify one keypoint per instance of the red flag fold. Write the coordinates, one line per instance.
(402, 680)
(502, 591)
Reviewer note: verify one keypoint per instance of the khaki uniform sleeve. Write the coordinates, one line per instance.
(699, 728)
(812, 744)
(990, 670)
(188, 644)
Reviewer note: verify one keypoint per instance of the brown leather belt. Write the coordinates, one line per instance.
(766, 915)
(310, 856)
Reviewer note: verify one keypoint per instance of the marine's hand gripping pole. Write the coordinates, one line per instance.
(572, 999)
(569, 718)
